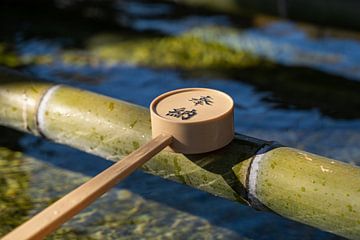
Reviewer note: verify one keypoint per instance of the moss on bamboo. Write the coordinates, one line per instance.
(111, 134)
(310, 188)
(97, 126)
(24, 100)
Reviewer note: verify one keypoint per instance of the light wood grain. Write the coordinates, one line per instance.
(62, 210)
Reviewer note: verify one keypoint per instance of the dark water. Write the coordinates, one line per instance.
(291, 86)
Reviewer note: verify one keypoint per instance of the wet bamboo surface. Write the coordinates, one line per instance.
(308, 188)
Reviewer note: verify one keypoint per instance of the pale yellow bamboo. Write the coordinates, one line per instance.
(308, 188)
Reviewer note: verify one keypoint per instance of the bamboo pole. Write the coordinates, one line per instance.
(308, 188)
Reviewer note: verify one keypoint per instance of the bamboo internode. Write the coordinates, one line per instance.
(305, 187)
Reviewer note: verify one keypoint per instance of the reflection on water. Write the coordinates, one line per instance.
(149, 52)
(15, 201)
(121, 214)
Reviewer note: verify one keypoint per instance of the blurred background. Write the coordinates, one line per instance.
(292, 67)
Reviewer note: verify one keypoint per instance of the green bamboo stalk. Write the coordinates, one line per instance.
(308, 188)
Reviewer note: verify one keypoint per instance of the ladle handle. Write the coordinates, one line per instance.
(65, 208)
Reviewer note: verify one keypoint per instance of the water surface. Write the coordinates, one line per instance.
(288, 85)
